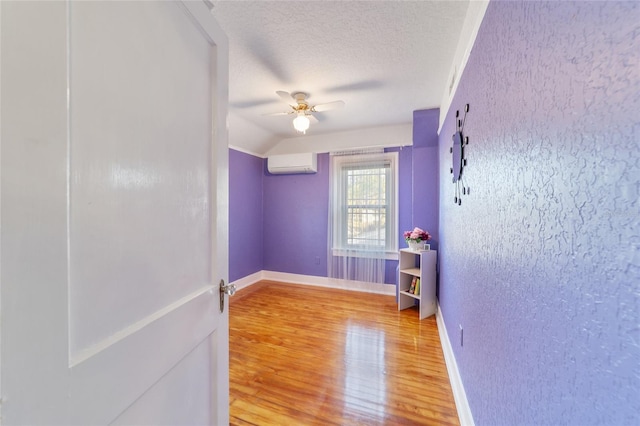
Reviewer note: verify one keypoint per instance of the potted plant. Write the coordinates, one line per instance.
(415, 239)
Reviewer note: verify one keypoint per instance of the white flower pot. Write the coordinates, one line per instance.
(415, 245)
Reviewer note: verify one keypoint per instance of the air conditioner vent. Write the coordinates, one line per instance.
(293, 163)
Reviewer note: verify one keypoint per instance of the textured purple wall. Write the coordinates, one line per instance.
(425, 207)
(425, 191)
(245, 214)
(295, 218)
(425, 127)
(296, 215)
(541, 263)
(405, 196)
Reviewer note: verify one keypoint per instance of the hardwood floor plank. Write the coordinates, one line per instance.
(302, 355)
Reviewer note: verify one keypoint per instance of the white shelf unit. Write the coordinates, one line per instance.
(421, 264)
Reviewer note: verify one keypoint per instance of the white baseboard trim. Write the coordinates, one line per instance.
(459, 395)
(248, 280)
(365, 287)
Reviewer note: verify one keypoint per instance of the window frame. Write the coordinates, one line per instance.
(341, 164)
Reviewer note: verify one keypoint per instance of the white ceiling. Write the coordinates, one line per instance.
(384, 59)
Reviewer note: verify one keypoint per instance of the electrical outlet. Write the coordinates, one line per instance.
(317, 260)
(461, 335)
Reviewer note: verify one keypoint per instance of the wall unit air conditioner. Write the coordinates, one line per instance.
(293, 163)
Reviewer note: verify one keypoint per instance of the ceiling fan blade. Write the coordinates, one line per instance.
(328, 106)
(277, 113)
(312, 118)
(286, 97)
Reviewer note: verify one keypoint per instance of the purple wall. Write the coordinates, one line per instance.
(245, 214)
(425, 207)
(405, 196)
(295, 217)
(290, 214)
(541, 263)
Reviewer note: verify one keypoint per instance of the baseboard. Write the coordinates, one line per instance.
(459, 395)
(248, 280)
(365, 287)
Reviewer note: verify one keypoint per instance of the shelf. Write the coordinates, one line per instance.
(411, 271)
(406, 293)
(416, 252)
(417, 265)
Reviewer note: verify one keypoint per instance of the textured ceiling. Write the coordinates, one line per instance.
(384, 59)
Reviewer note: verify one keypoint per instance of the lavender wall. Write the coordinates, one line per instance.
(296, 215)
(295, 218)
(541, 263)
(245, 215)
(425, 205)
(405, 197)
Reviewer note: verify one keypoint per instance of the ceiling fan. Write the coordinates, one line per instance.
(302, 110)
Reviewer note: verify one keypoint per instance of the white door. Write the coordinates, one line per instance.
(113, 213)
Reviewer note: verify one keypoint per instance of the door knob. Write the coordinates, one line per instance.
(225, 289)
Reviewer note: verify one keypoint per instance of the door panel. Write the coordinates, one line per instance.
(123, 371)
(165, 400)
(140, 113)
(113, 213)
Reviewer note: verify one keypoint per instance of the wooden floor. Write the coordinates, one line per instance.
(303, 355)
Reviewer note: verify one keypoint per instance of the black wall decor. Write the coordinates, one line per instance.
(458, 159)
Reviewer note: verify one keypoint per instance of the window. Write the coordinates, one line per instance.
(363, 213)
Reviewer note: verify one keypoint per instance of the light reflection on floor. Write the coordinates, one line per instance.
(365, 383)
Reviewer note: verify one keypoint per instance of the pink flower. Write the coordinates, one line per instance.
(417, 235)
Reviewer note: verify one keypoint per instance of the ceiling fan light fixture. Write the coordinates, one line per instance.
(299, 106)
(301, 123)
